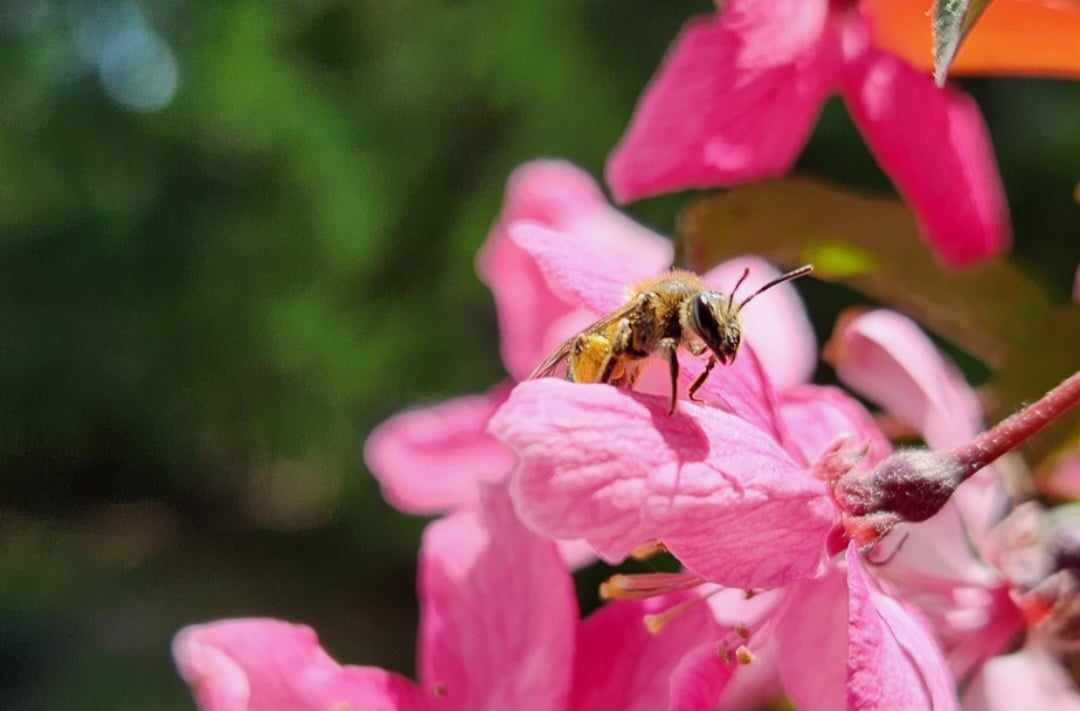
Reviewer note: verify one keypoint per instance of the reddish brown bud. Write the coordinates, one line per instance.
(912, 483)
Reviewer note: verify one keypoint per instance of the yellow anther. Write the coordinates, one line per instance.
(645, 585)
(743, 655)
(648, 550)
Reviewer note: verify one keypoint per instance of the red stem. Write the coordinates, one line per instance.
(1015, 429)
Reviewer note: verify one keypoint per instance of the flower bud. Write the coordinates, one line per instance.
(913, 483)
(910, 485)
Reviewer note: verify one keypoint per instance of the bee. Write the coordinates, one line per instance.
(660, 315)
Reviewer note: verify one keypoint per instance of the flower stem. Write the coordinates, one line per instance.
(1015, 429)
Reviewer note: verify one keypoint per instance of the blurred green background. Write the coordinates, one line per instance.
(235, 235)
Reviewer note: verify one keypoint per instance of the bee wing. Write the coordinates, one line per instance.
(548, 365)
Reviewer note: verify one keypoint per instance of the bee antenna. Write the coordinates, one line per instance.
(793, 274)
(731, 296)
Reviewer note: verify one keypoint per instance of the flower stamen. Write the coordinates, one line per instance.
(656, 622)
(648, 550)
(734, 647)
(645, 585)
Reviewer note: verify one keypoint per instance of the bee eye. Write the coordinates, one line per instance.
(706, 322)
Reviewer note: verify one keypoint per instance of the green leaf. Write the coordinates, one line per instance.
(952, 20)
(872, 245)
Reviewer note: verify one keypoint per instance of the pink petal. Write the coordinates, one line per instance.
(980, 623)
(1029, 679)
(576, 553)
(577, 478)
(775, 323)
(263, 664)
(817, 416)
(596, 273)
(615, 469)
(886, 357)
(756, 685)
(547, 192)
(775, 32)
(843, 644)
(734, 101)
(740, 388)
(699, 680)
(498, 611)
(431, 460)
(893, 660)
(811, 641)
(619, 664)
(934, 146)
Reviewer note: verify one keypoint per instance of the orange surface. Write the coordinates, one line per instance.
(1029, 37)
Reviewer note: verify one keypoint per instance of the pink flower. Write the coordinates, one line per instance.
(738, 93)
(498, 630)
(968, 570)
(431, 460)
(727, 487)
(737, 511)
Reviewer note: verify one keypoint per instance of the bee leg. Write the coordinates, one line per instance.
(669, 347)
(701, 378)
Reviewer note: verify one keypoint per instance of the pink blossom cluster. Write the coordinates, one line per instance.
(535, 478)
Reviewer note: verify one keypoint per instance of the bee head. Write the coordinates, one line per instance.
(713, 320)
(714, 317)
